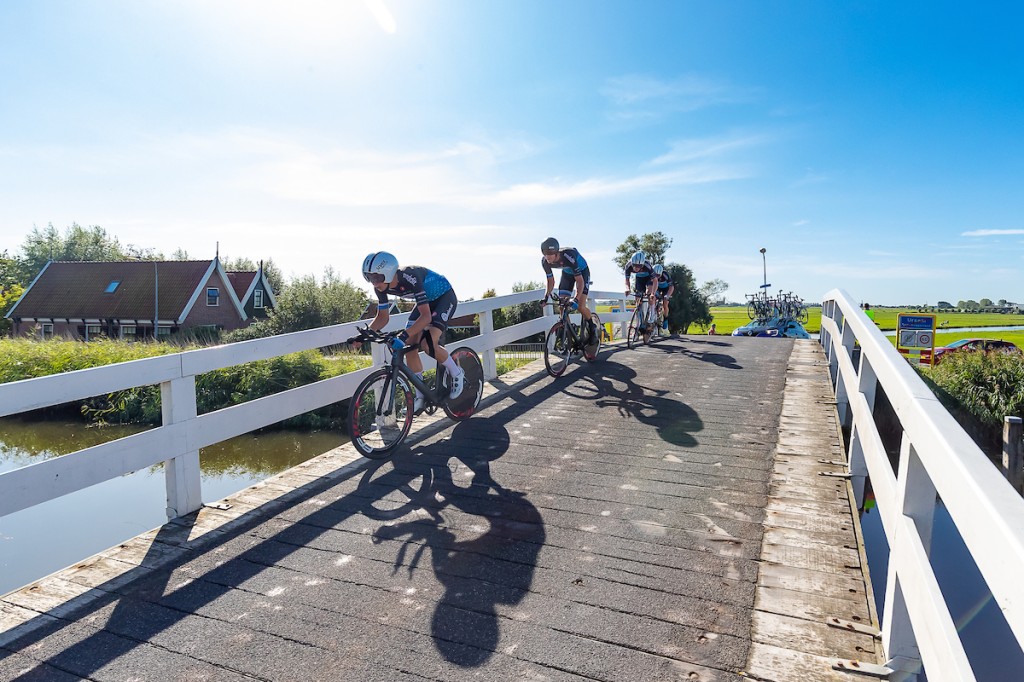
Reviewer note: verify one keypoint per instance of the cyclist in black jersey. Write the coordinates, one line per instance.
(575, 272)
(666, 287)
(435, 306)
(645, 281)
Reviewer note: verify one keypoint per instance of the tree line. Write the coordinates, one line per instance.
(307, 302)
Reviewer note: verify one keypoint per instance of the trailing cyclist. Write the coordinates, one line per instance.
(435, 306)
(644, 282)
(666, 287)
(575, 271)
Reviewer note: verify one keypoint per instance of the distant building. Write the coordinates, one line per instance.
(134, 299)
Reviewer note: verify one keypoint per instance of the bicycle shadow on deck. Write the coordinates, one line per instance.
(478, 571)
(614, 385)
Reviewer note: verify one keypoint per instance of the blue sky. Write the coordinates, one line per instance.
(872, 146)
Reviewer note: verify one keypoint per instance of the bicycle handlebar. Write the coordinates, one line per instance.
(373, 336)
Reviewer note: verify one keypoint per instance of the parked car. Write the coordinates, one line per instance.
(976, 344)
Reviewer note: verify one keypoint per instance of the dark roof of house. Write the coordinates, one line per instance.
(240, 282)
(78, 289)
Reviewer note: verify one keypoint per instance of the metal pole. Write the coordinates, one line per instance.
(764, 266)
(156, 303)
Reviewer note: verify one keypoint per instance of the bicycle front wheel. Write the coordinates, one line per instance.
(380, 413)
(557, 348)
(472, 385)
(633, 333)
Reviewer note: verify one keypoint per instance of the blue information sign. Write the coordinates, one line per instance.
(917, 322)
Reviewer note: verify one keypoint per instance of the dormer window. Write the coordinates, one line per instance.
(212, 296)
(257, 298)
(112, 287)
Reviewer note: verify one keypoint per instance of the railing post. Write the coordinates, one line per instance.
(842, 396)
(1013, 452)
(624, 325)
(915, 497)
(490, 360)
(867, 384)
(182, 473)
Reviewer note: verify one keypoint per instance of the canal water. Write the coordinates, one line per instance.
(51, 536)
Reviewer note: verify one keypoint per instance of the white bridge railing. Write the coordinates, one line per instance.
(177, 441)
(937, 459)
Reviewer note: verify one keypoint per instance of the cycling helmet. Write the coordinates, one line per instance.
(549, 245)
(638, 259)
(658, 269)
(379, 267)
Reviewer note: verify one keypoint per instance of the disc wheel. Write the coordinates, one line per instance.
(557, 349)
(380, 414)
(465, 405)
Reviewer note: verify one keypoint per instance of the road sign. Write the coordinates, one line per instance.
(915, 337)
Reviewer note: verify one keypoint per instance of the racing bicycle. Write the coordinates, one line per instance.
(565, 341)
(381, 410)
(639, 330)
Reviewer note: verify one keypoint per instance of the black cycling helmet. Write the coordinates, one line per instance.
(549, 245)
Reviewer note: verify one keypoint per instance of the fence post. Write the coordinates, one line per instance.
(1013, 452)
(182, 475)
(624, 326)
(490, 360)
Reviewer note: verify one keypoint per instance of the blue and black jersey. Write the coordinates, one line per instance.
(643, 276)
(569, 259)
(417, 283)
(664, 282)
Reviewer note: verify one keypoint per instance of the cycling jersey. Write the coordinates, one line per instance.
(643, 277)
(569, 259)
(417, 283)
(664, 282)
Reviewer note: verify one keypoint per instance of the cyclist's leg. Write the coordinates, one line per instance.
(443, 310)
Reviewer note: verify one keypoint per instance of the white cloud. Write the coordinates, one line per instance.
(641, 96)
(689, 150)
(990, 233)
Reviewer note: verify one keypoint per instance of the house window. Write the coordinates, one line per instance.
(127, 330)
(46, 329)
(257, 298)
(92, 331)
(212, 296)
(112, 287)
(163, 331)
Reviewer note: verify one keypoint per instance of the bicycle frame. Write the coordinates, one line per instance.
(432, 396)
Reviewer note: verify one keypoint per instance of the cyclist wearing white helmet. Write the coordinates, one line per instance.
(435, 306)
(645, 281)
(575, 271)
(666, 287)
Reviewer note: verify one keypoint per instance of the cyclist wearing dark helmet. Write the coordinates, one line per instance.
(575, 272)
(435, 306)
(644, 281)
(666, 287)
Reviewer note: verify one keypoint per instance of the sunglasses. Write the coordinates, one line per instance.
(373, 277)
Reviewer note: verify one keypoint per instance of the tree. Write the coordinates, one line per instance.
(688, 304)
(985, 303)
(654, 244)
(76, 244)
(712, 291)
(270, 269)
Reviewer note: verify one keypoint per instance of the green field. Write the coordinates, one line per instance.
(728, 318)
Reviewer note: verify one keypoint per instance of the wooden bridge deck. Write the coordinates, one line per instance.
(655, 516)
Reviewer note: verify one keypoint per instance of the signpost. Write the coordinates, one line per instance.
(915, 338)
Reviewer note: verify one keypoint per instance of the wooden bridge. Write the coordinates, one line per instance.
(658, 515)
(685, 511)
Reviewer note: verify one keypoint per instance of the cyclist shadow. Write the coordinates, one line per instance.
(614, 386)
(478, 570)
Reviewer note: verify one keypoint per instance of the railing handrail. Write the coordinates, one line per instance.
(937, 457)
(183, 432)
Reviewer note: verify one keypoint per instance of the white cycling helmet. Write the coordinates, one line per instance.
(639, 258)
(379, 267)
(658, 269)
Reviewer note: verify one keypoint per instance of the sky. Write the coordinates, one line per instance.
(876, 147)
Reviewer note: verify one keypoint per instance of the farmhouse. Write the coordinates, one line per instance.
(134, 299)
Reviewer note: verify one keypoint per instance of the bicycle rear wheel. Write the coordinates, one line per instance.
(380, 414)
(557, 349)
(591, 350)
(465, 405)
